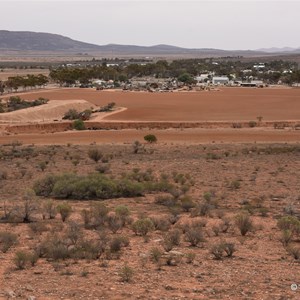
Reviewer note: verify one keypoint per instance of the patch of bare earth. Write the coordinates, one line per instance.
(53, 110)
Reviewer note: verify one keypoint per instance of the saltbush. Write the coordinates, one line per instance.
(94, 186)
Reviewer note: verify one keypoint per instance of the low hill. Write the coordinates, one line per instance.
(24, 41)
(39, 41)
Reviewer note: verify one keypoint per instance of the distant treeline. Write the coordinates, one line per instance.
(26, 82)
(273, 71)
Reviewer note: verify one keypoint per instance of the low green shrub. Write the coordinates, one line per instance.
(78, 125)
(94, 186)
(142, 226)
(150, 138)
(21, 259)
(244, 223)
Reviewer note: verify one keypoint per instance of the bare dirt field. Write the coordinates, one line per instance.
(214, 111)
(213, 186)
(228, 104)
(21, 72)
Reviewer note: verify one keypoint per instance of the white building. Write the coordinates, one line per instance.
(218, 80)
(202, 78)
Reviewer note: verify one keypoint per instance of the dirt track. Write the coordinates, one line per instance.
(229, 104)
(188, 136)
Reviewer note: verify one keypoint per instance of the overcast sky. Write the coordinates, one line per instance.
(193, 24)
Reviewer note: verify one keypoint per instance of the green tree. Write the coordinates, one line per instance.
(150, 138)
(186, 78)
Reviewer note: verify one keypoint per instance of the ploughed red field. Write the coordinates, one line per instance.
(228, 104)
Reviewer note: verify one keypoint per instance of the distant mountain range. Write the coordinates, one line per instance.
(36, 41)
(280, 50)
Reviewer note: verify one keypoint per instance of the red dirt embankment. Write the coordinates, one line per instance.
(169, 136)
(111, 125)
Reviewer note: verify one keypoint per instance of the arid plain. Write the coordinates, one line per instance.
(192, 190)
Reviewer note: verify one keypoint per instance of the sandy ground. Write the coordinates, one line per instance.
(228, 104)
(54, 109)
(169, 136)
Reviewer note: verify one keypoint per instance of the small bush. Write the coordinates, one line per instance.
(126, 273)
(168, 201)
(213, 156)
(234, 185)
(117, 243)
(74, 233)
(171, 239)
(38, 227)
(71, 114)
(190, 257)
(244, 223)
(225, 225)
(201, 209)
(137, 147)
(236, 125)
(21, 259)
(50, 209)
(229, 249)
(108, 107)
(150, 138)
(161, 223)
(252, 124)
(33, 258)
(295, 252)
(194, 236)
(156, 255)
(187, 203)
(54, 247)
(123, 213)
(217, 251)
(221, 249)
(286, 237)
(78, 125)
(95, 154)
(7, 240)
(114, 222)
(64, 209)
(289, 223)
(142, 226)
(103, 168)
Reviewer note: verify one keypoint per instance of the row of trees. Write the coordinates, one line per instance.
(183, 70)
(26, 82)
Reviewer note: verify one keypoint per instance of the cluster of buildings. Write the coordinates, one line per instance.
(210, 79)
(149, 84)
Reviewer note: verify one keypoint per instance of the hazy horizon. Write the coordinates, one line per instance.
(228, 25)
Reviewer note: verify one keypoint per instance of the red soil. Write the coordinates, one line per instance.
(186, 136)
(229, 104)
